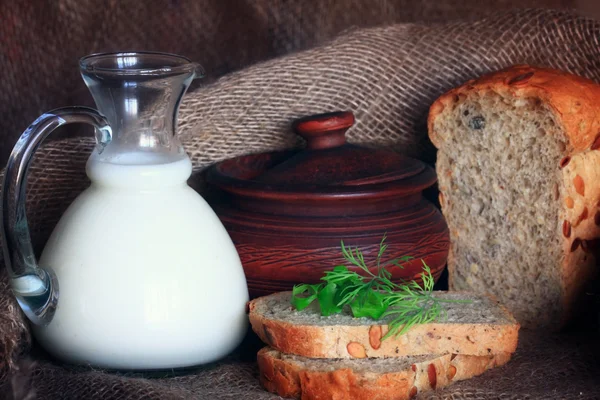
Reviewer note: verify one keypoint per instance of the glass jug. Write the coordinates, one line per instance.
(139, 272)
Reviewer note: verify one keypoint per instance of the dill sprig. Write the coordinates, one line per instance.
(372, 294)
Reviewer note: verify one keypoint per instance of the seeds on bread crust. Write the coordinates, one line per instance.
(432, 374)
(579, 185)
(565, 161)
(356, 350)
(413, 392)
(596, 144)
(375, 335)
(575, 244)
(308, 335)
(300, 377)
(583, 216)
(566, 228)
(569, 202)
(451, 372)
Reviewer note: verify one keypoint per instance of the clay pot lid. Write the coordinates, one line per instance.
(328, 169)
(328, 160)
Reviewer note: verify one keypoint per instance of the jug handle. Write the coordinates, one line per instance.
(35, 287)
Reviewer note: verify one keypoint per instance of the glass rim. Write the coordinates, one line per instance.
(173, 64)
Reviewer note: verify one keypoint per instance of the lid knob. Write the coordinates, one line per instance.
(324, 131)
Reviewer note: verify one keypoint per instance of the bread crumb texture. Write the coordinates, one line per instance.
(518, 189)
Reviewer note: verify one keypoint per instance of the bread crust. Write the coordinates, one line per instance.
(575, 103)
(579, 267)
(432, 338)
(572, 98)
(291, 379)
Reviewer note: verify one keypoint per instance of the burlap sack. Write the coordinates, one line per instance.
(388, 76)
(41, 41)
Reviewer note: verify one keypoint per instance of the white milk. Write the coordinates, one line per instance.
(148, 277)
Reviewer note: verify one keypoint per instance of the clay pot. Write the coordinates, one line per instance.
(287, 212)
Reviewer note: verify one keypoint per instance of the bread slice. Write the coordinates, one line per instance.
(374, 379)
(482, 327)
(518, 169)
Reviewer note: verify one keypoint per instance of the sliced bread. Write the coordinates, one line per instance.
(481, 327)
(518, 169)
(374, 379)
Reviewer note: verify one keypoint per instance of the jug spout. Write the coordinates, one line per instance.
(139, 93)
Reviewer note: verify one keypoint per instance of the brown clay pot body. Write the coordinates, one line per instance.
(288, 212)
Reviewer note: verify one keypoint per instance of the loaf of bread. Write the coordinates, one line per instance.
(400, 378)
(480, 327)
(519, 177)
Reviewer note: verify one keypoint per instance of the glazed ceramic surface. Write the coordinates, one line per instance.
(287, 212)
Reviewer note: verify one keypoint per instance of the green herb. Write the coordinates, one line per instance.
(372, 294)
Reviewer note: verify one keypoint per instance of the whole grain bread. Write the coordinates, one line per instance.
(375, 379)
(481, 327)
(518, 168)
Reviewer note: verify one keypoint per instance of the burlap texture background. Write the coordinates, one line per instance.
(388, 76)
(41, 40)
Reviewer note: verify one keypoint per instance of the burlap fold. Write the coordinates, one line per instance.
(388, 76)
